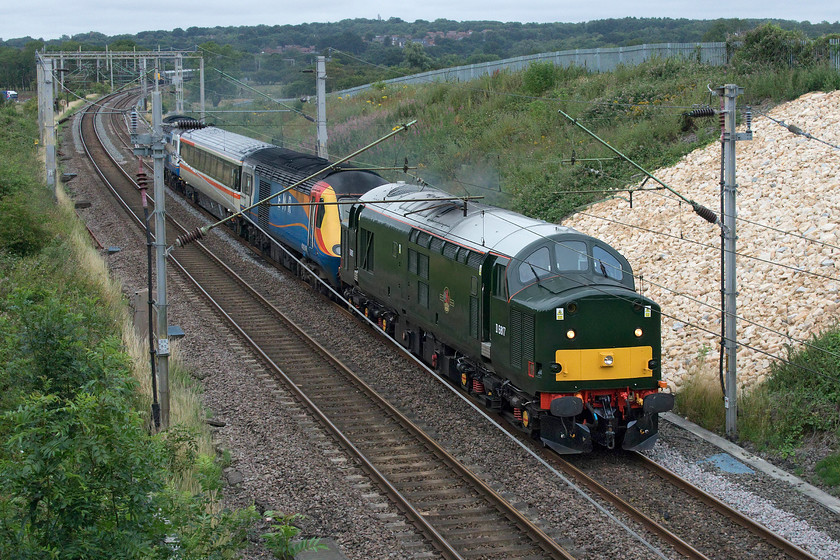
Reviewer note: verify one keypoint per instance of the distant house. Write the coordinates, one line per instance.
(289, 48)
(432, 36)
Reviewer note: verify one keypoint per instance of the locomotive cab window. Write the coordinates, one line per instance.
(499, 287)
(606, 264)
(571, 256)
(366, 250)
(536, 265)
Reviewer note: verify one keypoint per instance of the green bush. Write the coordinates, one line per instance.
(80, 477)
(539, 77)
(23, 231)
(281, 539)
(801, 397)
(829, 470)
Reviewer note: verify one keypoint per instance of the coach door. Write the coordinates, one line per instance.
(247, 186)
(499, 316)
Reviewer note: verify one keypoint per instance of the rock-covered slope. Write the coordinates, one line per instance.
(787, 284)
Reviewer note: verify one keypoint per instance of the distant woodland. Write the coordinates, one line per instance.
(368, 50)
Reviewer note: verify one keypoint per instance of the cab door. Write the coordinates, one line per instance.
(247, 183)
(499, 314)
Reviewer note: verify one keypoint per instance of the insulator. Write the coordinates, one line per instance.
(190, 124)
(134, 120)
(748, 116)
(705, 213)
(194, 235)
(795, 129)
(142, 180)
(704, 111)
(722, 120)
(405, 166)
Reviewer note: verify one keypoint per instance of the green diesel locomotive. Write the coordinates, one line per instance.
(539, 321)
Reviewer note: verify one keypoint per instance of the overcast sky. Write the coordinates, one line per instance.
(50, 19)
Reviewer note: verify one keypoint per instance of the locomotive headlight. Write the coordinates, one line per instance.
(607, 359)
(638, 333)
(337, 249)
(570, 334)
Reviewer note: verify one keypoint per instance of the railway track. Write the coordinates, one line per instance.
(455, 510)
(680, 505)
(436, 494)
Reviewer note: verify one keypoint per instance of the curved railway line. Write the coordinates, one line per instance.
(454, 509)
(461, 515)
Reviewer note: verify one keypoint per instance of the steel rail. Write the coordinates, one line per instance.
(756, 528)
(679, 544)
(507, 510)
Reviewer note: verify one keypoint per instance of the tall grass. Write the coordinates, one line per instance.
(501, 136)
(701, 400)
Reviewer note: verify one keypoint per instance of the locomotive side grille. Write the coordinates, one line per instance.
(522, 326)
(262, 212)
(528, 337)
(474, 317)
(474, 260)
(412, 261)
(423, 266)
(515, 338)
(449, 250)
(423, 294)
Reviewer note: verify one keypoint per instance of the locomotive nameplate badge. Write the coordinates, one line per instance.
(647, 311)
(559, 313)
(447, 300)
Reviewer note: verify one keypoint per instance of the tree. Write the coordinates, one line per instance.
(415, 57)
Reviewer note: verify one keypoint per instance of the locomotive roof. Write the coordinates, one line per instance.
(484, 228)
(288, 167)
(230, 144)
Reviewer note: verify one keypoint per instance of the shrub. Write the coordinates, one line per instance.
(829, 470)
(539, 77)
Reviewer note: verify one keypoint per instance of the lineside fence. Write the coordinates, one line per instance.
(595, 60)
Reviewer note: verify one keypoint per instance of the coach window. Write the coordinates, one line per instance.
(248, 184)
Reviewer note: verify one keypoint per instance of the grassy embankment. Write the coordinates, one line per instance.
(501, 137)
(80, 474)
